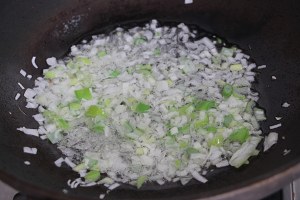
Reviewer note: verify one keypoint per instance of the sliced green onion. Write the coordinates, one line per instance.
(211, 129)
(84, 60)
(142, 108)
(115, 73)
(101, 54)
(62, 124)
(92, 164)
(183, 144)
(128, 127)
(239, 96)
(216, 141)
(185, 128)
(73, 81)
(186, 109)
(98, 129)
(177, 164)
(94, 111)
(145, 69)
(50, 74)
(227, 90)
(157, 52)
(144, 72)
(205, 105)
(107, 102)
(239, 135)
(83, 93)
(59, 122)
(139, 131)
(236, 67)
(204, 120)
(92, 176)
(140, 181)
(227, 120)
(139, 41)
(75, 106)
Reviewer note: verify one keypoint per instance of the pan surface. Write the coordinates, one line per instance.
(267, 30)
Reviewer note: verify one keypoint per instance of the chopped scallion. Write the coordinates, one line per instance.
(227, 90)
(92, 176)
(83, 93)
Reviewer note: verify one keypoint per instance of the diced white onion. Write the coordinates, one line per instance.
(275, 126)
(198, 177)
(285, 105)
(30, 150)
(21, 86)
(17, 96)
(26, 162)
(59, 162)
(188, 1)
(113, 186)
(29, 131)
(33, 62)
(51, 61)
(270, 140)
(22, 72)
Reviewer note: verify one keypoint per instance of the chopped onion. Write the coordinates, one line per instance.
(29, 93)
(29, 131)
(22, 72)
(286, 152)
(285, 105)
(51, 61)
(26, 162)
(275, 126)
(69, 162)
(261, 67)
(30, 150)
(150, 103)
(33, 62)
(29, 76)
(270, 140)
(188, 1)
(59, 161)
(17, 96)
(21, 86)
(113, 186)
(198, 177)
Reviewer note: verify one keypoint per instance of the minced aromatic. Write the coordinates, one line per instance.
(149, 104)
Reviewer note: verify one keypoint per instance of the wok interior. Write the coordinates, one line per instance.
(268, 31)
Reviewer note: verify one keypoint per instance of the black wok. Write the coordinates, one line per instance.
(267, 30)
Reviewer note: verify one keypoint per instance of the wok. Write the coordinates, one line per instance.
(267, 30)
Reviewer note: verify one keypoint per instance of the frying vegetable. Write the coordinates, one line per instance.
(148, 104)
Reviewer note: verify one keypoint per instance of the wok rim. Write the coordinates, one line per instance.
(249, 191)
